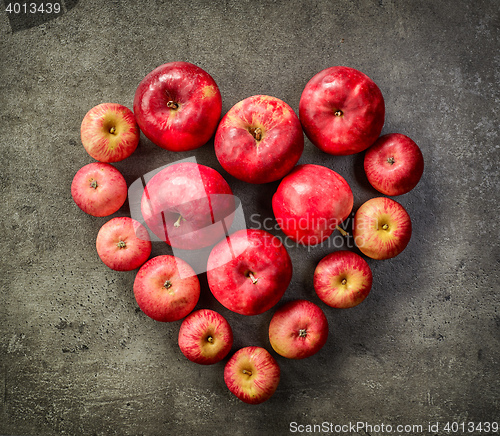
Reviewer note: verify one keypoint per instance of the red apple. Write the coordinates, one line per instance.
(259, 140)
(298, 329)
(311, 202)
(342, 111)
(394, 164)
(184, 205)
(249, 271)
(178, 106)
(382, 228)
(166, 288)
(109, 132)
(252, 375)
(123, 244)
(342, 279)
(99, 189)
(205, 337)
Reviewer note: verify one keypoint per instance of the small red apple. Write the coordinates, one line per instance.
(252, 375)
(342, 110)
(249, 271)
(394, 164)
(342, 279)
(298, 329)
(166, 288)
(109, 132)
(178, 106)
(205, 337)
(259, 140)
(184, 205)
(99, 189)
(123, 244)
(382, 228)
(311, 202)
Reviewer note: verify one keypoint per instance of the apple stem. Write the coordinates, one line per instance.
(256, 133)
(342, 231)
(252, 277)
(245, 371)
(385, 226)
(390, 160)
(178, 222)
(121, 244)
(302, 333)
(210, 339)
(167, 284)
(112, 130)
(338, 113)
(344, 282)
(172, 105)
(93, 184)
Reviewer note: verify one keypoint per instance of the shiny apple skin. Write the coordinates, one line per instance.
(205, 337)
(259, 140)
(193, 122)
(166, 288)
(342, 279)
(196, 193)
(252, 375)
(361, 105)
(394, 164)
(109, 132)
(99, 189)
(261, 254)
(299, 329)
(123, 244)
(369, 234)
(310, 202)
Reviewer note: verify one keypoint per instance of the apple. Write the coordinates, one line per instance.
(109, 132)
(394, 164)
(178, 106)
(382, 228)
(205, 337)
(184, 204)
(342, 279)
(123, 244)
(249, 271)
(298, 329)
(259, 140)
(166, 288)
(252, 375)
(342, 110)
(311, 202)
(99, 189)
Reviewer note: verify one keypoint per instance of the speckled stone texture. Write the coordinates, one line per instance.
(77, 355)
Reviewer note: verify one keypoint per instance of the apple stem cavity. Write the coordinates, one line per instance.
(210, 339)
(173, 105)
(256, 133)
(390, 160)
(338, 113)
(342, 231)
(167, 284)
(178, 222)
(121, 244)
(344, 282)
(93, 184)
(112, 130)
(302, 333)
(252, 277)
(385, 226)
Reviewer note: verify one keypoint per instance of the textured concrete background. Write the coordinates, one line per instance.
(77, 355)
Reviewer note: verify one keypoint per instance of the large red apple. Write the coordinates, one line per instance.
(184, 205)
(205, 337)
(342, 279)
(342, 110)
(394, 164)
(166, 288)
(252, 375)
(311, 202)
(259, 140)
(249, 271)
(99, 189)
(382, 228)
(109, 132)
(123, 244)
(298, 329)
(178, 106)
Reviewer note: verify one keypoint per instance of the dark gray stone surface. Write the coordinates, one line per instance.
(77, 355)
